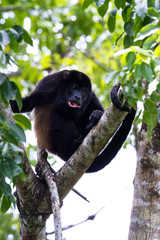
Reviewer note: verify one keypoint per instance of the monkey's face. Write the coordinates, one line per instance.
(73, 99)
(76, 96)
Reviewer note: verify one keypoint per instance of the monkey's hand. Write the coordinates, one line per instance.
(78, 141)
(116, 95)
(93, 120)
(14, 106)
(95, 116)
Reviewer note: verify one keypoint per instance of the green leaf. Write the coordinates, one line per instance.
(99, 3)
(128, 28)
(117, 4)
(22, 121)
(151, 107)
(86, 3)
(148, 118)
(12, 200)
(110, 77)
(16, 149)
(7, 136)
(149, 42)
(113, 12)
(151, 120)
(10, 168)
(2, 119)
(130, 92)
(6, 168)
(4, 37)
(3, 78)
(123, 3)
(138, 24)
(5, 204)
(18, 132)
(112, 20)
(14, 45)
(123, 51)
(152, 12)
(1, 38)
(9, 89)
(149, 131)
(137, 73)
(6, 189)
(125, 13)
(155, 97)
(120, 4)
(27, 38)
(157, 51)
(16, 171)
(147, 31)
(0, 193)
(146, 71)
(17, 32)
(128, 41)
(142, 51)
(5, 59)
(103, 9)
(130, 59)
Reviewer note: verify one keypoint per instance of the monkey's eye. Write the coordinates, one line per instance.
(84, 90)
(74, 87)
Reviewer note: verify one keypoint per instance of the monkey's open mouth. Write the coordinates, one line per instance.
(74, 104)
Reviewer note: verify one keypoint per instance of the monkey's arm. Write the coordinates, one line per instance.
(28, 103)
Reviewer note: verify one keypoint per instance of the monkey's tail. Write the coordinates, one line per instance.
(115, 144)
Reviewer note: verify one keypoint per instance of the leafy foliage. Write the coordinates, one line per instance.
(141, 42)
(9, 226)
(11, 133)
(10, 160)
(11, 38)
(110, 40)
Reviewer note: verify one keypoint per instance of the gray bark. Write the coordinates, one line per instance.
(145, 217)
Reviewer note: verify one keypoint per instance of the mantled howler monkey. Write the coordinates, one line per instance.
(65, 110)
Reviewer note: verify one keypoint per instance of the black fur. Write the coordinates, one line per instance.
(66, 109)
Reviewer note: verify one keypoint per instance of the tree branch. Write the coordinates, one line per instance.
(92, 145)
(13, 8)
(14, 74)
(33, 198)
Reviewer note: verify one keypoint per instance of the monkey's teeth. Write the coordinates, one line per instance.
(74, 104)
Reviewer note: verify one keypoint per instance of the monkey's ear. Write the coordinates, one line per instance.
(66, 74)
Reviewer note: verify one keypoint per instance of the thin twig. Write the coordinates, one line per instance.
(49, 178)
(79, 194)
(73, 189)
(91, 217)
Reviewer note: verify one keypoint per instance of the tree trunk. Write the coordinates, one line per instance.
(145, 216)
